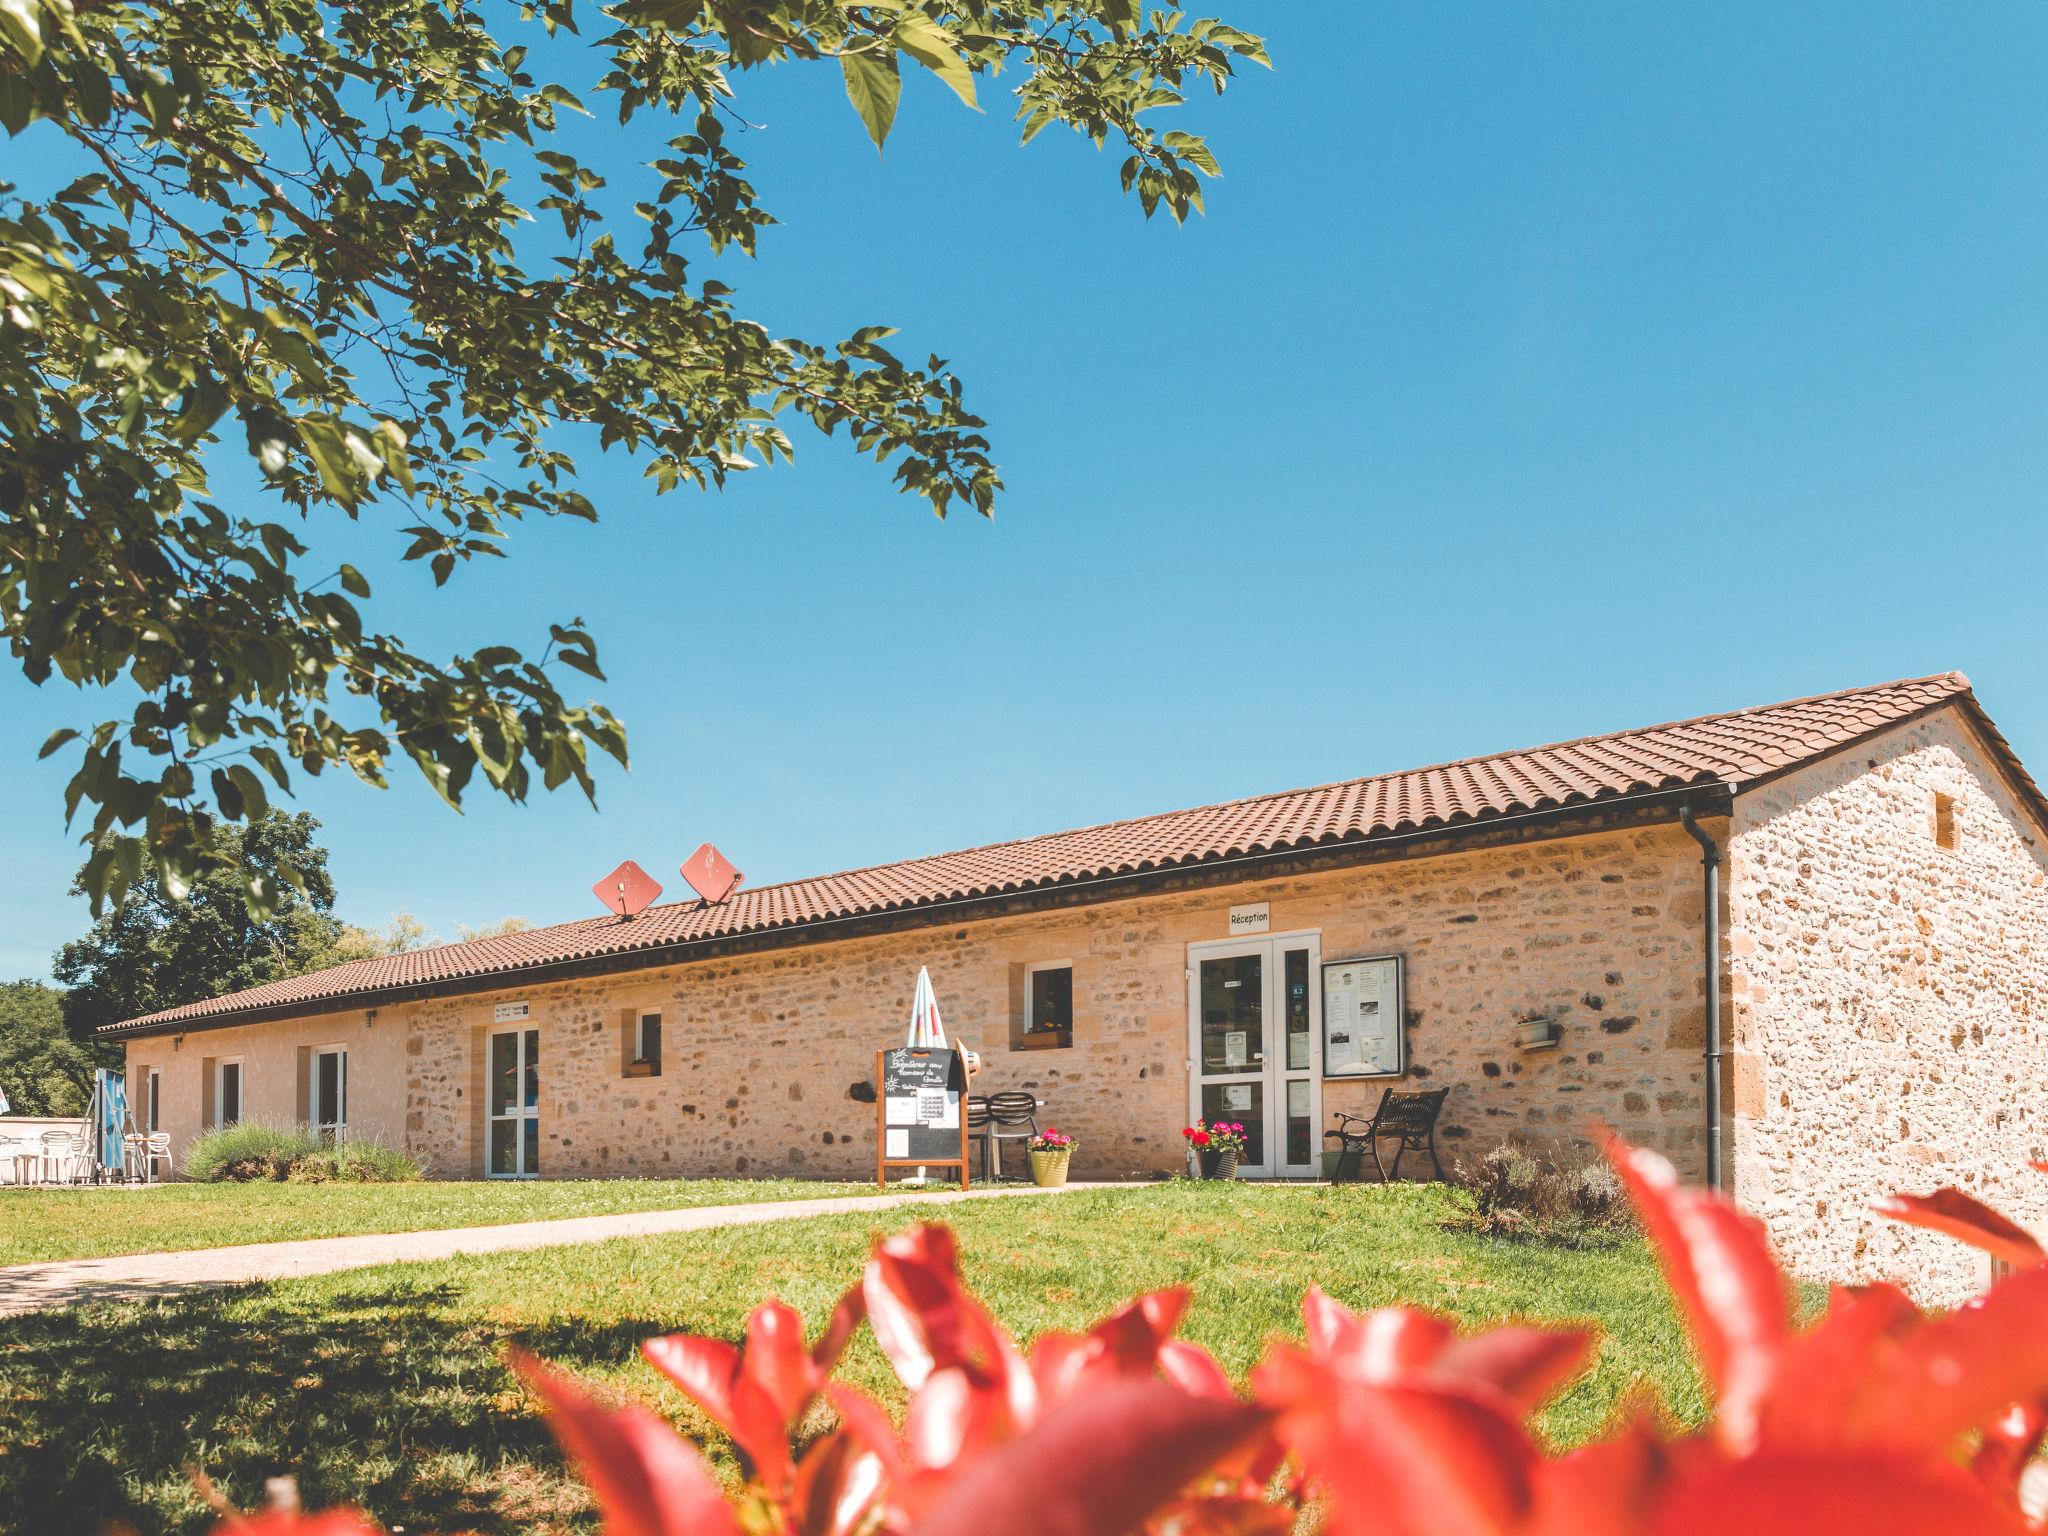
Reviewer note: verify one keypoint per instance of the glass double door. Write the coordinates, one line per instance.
(1254, 1051)
(514, 1128)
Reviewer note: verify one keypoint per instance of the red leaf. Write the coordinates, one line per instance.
(1244, 1514)
(923, 1317)
(713, 1374)
(1099, 1466)
(2010, 1442)
(836, 1485)
(1957, 1372)
(1789, 1495)
(1402, 1460)
(839, 1328)
(706, 1370)
(776, 1360)
(956, 1418)
(1719, 1264)
(1828, 1371)
(1193, 1369)
(868, 1422)
(1527, 1365)
(648, 1480)
(1132, 1334)
(1604, 1489)
(1387, 1344)
(1966, 1217)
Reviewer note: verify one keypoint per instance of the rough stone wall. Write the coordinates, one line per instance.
(760, 1052)
(1890, 1004)
(273, 1081)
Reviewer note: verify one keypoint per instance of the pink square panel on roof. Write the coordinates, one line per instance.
(628, 889)
(711, 874)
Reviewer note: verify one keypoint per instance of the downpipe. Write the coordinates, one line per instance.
(1710, 877)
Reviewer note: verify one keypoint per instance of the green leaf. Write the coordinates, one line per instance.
(932, 46)
(56, 740)
(353, 583)
(21, 25)
(872, 85)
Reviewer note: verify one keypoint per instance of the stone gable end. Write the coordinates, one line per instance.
(1890, 1002)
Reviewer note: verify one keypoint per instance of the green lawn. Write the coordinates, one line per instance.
(386, 1387)
(38, 1224)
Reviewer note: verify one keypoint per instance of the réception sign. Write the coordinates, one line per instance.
(1256, 918)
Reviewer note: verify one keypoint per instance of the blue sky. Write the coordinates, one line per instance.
(1537, 370)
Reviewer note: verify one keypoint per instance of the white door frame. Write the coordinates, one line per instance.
(1274, 1072)
(220, 1073)
(340, 1121)
(520, 1111)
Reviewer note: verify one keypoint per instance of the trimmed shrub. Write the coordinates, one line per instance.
(353, 1162)
(248, 1151)
(1517, 1194)
(253, 1152)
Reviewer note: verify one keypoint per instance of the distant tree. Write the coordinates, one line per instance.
(504, 925)
(43, 1071)
(401, 935)
(158, 952)
(344, 251)
(405, 933)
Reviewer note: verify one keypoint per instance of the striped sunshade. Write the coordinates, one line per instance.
(926, 1028)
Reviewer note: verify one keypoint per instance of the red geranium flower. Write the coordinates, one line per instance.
(1200, 1138)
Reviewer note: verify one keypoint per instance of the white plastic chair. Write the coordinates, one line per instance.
(62, 1153)
(156, 1149)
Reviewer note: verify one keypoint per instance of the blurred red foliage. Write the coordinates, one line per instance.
(1387, 1423)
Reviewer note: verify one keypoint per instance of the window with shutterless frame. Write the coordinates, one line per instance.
(640, 1042)
(1042, 999)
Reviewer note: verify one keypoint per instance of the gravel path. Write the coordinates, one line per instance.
(68, 1282)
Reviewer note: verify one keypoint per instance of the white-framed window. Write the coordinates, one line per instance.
(512, 1072)
(327, 1091)
(227, 1092)
(152, 1105)
(1049, 998)
(647, 1042)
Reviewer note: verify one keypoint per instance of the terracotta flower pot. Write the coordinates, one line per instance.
(1217, 1164)
(1049, 1169)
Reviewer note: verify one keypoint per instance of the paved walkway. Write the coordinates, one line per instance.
(67, 1282)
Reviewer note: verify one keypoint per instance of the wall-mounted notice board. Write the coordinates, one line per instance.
(920, 1110)
(1363, 1013)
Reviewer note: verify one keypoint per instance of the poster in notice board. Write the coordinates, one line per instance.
(921, 1108)
(1363, 1033)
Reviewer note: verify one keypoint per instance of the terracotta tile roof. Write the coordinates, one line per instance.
(1729, 749)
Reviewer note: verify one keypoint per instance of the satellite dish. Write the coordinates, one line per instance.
(628, 890)
(711, 874)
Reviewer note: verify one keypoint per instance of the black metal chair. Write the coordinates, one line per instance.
(1410, 1118)
(995, 1117)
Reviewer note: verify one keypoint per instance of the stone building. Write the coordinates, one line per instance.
(1528, 930)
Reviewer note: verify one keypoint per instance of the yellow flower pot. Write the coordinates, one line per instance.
(1049, 1169)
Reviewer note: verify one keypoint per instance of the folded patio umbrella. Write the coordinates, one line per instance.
(926, 1028)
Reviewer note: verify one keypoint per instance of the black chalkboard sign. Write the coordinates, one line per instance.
(921, 1110)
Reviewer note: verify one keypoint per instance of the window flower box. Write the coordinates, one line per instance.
(642, 1067)
(1045, 1040)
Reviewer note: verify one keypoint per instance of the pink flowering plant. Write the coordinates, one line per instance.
(1215, 1136)
(1052, 1139)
